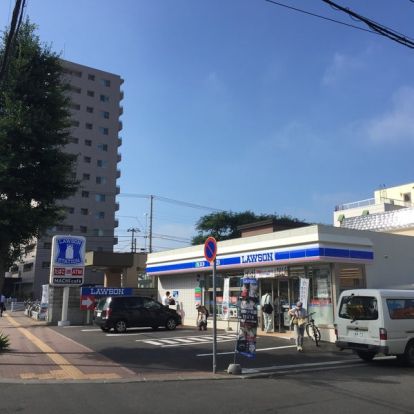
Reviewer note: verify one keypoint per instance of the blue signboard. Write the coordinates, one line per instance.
(106, 291)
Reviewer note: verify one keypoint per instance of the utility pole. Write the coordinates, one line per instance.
(150, 224)
(133, 230)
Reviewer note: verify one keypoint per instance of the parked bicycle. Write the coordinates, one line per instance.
(312, 330)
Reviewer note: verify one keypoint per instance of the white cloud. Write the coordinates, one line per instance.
(340, 67)
(398, 123)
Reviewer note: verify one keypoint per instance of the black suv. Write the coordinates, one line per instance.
(122, 312)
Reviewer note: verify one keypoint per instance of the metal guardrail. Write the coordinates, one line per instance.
(17, 306)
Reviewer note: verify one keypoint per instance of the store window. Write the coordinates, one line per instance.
(350, 277)
(320, 294)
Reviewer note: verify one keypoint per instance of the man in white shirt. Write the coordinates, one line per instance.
(267, 311)
(166, 298)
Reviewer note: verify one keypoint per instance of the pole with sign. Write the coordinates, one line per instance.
(67, 267)
(210, 253)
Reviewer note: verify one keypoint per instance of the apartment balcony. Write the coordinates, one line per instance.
(117, 189)
(115, 241)
(118, 173)
(121, 95)
(116, 206)
(116, 223)
(119, 141)
(118, 157)
(120, 126)
(121, 110)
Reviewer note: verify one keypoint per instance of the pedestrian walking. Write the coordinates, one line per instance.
(298, 319)
(2, 304)
(267, 311)
(202, 315)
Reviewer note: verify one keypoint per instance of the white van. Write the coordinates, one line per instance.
(376, 321)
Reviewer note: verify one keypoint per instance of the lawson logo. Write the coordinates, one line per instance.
(70, 251)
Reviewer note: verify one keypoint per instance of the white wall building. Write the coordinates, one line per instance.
(333, 259)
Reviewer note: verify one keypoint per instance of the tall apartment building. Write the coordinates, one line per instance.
(391, 211)
(95, 107)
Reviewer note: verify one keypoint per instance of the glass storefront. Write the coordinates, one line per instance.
(284, 287)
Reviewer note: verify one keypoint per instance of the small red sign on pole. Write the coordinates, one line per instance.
(210, 249)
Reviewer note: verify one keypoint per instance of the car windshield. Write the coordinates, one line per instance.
(359, 308)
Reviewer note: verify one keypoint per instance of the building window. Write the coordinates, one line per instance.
(72, 72)
(27, 267)
(75, 89)
(45, 265)
(105, 114)
(106, 82)
(75, 106)
(104, 98)
(91, 77)
(86, 177)
(98, 232)
(407, 197)
(89, 109)
(103, 147)
(88, 142)
(85, 194)
(70, 210)
(88, 125)
(100, 198)
(84, 211)
(83, 229)
(87, 159)
(64, 227)
(74, 123)
(90, 93)
(73, 140)
(100, 180)
(102, 163)
(103, 130)
(100, 215)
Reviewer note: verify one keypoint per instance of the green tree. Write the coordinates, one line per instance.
(223, 225)
(35, 172)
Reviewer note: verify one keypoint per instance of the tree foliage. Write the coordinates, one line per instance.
(35, 172)
(223, 225)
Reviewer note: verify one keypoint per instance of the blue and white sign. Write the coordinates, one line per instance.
(67, 264)
(106, 291)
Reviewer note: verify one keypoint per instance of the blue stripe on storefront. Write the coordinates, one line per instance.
(279, 256)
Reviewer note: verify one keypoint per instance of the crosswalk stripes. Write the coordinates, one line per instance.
(189, 340)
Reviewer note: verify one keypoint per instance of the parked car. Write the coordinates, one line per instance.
(376, 321)
(122, 312)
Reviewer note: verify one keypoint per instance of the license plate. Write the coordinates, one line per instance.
(358, 333)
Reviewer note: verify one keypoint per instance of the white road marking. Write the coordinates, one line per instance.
(186, 340)
(257, 350)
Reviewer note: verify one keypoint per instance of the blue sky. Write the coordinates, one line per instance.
(244, 105)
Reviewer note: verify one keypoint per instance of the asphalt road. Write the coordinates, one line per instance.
(187, 349)
(381, 388)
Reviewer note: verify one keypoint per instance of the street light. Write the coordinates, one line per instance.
(133, 230)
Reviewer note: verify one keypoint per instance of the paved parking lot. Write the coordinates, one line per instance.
(85, 353)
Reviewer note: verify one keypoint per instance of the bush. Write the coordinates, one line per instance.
(4, 341)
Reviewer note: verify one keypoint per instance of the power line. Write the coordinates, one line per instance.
(376, 27)
(319, 16)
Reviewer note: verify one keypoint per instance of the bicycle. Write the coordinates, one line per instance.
(312, 330)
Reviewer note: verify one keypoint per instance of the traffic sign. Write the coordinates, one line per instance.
(87, 302)
(210, 249)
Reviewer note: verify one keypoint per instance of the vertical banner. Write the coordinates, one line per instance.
(246, 340)
(304, 291)
(197, 295)
(226, 299)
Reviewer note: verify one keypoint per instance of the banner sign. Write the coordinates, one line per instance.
(304, 291)
(67, 264)
(226, 299)
(246, 339)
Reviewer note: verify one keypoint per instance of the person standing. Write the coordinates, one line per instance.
(298, 315)
(166, 299)
(267, 311)
(2, 304)
(202, 315)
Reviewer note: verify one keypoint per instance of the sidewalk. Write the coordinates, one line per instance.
(38, 353)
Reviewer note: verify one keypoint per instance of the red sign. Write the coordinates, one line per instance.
(87, 302)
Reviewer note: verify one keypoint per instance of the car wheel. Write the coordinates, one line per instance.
(366, 355)
(171, 324)
(120, 326)
(408, 356)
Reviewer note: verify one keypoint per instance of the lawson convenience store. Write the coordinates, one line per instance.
(330, 259)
